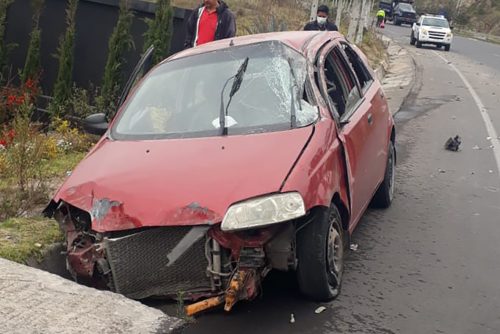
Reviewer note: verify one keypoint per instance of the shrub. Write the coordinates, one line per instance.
(23, 175)
(65, 55)
(33, 66)
(4, 48)
(12, 97)
(119, 43)
(159, 33)
(266, 24)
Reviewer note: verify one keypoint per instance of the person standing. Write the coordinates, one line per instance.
(210, 22)
(321, 22)
(380, 17)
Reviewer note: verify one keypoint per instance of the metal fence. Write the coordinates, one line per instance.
(95, 21)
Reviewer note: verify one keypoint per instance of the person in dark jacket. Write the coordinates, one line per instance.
(210, 22)
(321, 22)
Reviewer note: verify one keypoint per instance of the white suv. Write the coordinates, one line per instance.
(432, 29)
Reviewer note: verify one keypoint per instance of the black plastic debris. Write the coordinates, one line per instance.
(453, 144)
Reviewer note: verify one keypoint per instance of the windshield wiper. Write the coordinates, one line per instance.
(293, 113)
(237, 80)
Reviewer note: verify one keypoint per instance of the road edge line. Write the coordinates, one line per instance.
(490, 128)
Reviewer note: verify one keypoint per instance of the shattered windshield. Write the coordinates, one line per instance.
(435, 22)
(182, 98)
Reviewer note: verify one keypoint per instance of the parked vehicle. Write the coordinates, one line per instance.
(432, 29)
(388, 7)
(229, 160)
(404, 13)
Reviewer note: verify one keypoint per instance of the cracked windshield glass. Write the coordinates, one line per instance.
(183, 97)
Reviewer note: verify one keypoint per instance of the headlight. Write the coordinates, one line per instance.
(263, 211)
(449, 34)
(424, 31)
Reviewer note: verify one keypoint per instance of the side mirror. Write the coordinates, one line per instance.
(417, 23)
(451, 28)
(96, 124)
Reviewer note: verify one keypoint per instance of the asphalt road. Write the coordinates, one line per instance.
(430, 263)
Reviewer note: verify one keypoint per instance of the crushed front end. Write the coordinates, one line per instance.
(192, 263)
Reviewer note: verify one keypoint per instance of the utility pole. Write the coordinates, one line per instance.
(314, 10)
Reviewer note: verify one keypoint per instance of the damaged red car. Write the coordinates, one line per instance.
(227, 161)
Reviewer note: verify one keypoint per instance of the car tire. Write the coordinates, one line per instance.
(320, 253)
(396, 21)
(385, 192)
(412, 39)
(447, 47)
(418, 44)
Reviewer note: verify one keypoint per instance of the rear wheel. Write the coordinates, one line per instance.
(385, 193)
(320, 253)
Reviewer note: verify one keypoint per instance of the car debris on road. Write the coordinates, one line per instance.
(453, 144)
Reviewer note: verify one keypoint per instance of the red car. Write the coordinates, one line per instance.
(227, 161)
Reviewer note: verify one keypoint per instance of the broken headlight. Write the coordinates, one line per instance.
(263, 211)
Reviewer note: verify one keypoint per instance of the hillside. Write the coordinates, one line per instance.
(478, 15)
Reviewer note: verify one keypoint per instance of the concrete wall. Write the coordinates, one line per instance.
(94, 24)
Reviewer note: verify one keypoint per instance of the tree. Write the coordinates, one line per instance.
(119, 43)
(65, 54)
(159, 31)
(4, 48)
(33, 66)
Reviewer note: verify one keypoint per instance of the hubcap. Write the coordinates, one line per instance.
(335, 257)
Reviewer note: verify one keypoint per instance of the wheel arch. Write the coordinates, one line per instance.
(343, 210)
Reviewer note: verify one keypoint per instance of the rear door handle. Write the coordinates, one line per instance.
(370, 119)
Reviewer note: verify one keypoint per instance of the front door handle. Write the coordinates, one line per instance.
(370, 119)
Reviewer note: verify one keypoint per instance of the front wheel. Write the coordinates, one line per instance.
(418, 43)
(447, 47)
(412, 39)
(385, 193)
(320, 254)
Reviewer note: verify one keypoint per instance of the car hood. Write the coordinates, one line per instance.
(176, 182)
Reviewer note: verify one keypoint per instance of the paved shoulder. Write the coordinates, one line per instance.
(34, 301)
(400, 75)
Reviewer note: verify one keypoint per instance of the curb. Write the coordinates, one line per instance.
(35, 301)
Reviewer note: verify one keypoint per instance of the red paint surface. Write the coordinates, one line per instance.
(180, 181)
(194, 181)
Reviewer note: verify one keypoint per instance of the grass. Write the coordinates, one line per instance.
(63, 163)
(25, 238)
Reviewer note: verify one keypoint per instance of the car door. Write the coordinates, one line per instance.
(351, 105)
(374, 98)
(142, 67)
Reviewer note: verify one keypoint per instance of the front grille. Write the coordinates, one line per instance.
(437, 35)
(409, 15)
(139, 264)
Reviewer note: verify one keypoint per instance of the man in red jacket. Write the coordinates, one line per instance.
(210, 22)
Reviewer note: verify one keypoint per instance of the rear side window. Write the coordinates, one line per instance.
(359, 67)
(342, 88)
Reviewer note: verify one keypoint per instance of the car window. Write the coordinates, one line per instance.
(435, 22)
(405, 6)
(363, 75)
(182, 98)
(340, 83)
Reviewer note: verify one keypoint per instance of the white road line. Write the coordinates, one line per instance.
(482, 110)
